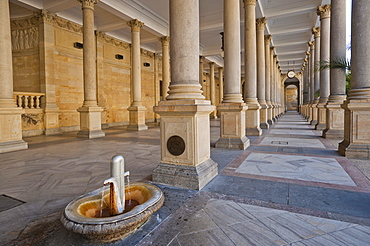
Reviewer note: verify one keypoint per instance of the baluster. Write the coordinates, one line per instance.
(38, 101)
(32, 101)
(19, 101)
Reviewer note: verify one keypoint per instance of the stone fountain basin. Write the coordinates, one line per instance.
(75, 217)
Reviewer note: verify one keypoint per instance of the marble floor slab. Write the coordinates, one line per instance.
(292, 142)
(290, 132)
(315, 169)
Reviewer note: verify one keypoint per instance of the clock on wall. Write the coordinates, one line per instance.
(291, 74)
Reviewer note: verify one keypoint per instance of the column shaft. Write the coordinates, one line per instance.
(165, 65)
(221, 79)
(213, 87)
(268, 78)
(334, 111)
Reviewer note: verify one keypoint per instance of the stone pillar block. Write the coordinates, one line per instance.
(321, 117)
(137, 118)
(11, 130)
(185, 147)
(253, 120)
(90, 122)
(232, 134)
(334, 121)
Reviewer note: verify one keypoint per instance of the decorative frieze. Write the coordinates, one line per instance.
(25, 38)
(147, 53)
(110, 40)
(324, 11)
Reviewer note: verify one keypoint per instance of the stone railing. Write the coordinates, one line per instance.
(28, 100)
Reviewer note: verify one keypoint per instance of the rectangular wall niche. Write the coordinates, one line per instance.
(78, 45)
(119, 57)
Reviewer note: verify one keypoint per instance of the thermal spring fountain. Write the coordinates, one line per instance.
(115, 210)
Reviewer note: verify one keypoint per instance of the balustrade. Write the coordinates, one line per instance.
(28, 100)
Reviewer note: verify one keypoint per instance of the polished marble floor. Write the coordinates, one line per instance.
(273, 193)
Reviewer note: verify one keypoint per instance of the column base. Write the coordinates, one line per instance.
(11, 130)
(351, 150)
(137, 118)
(183, 176)
(270, 122)
(185, 144)
(333, 134)
(233, 143)
(334, 120)
(252, 121)
(90, 122)
(10, 146)
(321, 117)
(356, 143)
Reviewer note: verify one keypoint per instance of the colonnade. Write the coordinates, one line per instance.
(242, 112)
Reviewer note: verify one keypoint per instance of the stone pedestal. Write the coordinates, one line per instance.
(90, 122)
(356, 143)
(51, 121)
(321, 117)
(314, 113)
(334, 120)
(253, 119)
(137, 118)
(185, 147)
(232, 132)
(263, 116)
(11, 130)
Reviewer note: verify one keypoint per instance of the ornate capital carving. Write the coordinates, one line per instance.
(316, 32)
(311, 44)
(135, 25)
(268, 39)
(308, 53)
(272, 48)
(305, 60)
(147, 53)
(88, 3)
(324, 11)
(201, 58)
(110, 40)
(260, 23)
(165, 40)
(250, 2)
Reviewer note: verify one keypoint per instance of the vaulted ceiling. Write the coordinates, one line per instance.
(288, 21)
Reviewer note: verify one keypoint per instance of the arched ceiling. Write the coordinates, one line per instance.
(288, 21)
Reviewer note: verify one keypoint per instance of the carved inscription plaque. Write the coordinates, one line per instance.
(176, 145)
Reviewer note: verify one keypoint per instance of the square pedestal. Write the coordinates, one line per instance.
(52, 121)
(356, 143)
(253, 120)
(334, 121)
(314, 115)
(185, 144)
(11, 130)
(137, 118)
(321, 117)
(90, 122)
(263, 117)
(232, 132)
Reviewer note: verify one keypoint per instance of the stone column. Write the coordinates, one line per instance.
(324, 12)
(185, 123)
(315, 75)
(261, 72)
(275, 88)
(356, 143)
(221, 79)
(272, 83)
(334, 112)
(268, 78)
(90, 112)
(305, 71)
(10, 115)
(213, 88)
(201, 78)
(165, 40)
(232, 109)
(250, 87)
(136, 110)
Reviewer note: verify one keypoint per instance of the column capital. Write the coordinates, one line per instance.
(316, 31)
(324, 11)
(201, 58)
(308, 53)
(165, 40)
(312, 45)
(272, 48)
(88, 3)
(260, 23)
(250, 2)
(268, 39)
(135, 25)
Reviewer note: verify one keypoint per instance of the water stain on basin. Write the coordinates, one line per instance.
(86, 215)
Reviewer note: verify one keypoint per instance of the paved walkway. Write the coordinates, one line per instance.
(290, 187)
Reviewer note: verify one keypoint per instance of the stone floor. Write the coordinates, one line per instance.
(290, 187)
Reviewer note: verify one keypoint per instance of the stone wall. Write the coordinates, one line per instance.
(64, 66)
